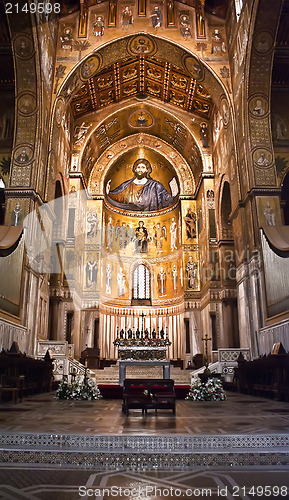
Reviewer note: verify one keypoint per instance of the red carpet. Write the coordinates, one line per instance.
(114, 391)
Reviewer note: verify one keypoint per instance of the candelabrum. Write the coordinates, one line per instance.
(144, 344)
(142, 337)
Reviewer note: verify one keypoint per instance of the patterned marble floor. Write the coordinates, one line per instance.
(240, 414)
(214, 483)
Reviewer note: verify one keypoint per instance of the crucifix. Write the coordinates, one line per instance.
(206, 340)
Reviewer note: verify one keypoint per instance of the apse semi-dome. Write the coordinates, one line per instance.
(141, 182)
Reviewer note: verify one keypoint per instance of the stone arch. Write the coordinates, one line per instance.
(32, 89)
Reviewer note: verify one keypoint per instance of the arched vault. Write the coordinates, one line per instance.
(141, 83)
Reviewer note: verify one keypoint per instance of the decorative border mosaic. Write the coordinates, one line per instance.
(140, 443)
(141, 461)
(144, 452)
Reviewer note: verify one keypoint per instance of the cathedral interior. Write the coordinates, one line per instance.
(144, 179)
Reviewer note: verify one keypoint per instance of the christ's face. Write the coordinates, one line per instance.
(141, 171)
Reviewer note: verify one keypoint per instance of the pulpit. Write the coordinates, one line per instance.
(90, 357)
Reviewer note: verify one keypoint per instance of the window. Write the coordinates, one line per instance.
(238, 7)
(141, 283)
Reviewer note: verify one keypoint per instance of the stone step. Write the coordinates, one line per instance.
(110, 374)
(145, 452)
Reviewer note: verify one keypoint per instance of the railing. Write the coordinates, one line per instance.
(10, 332)
(214, 368)
(231, 355)
(227, 361)
(73, 367)
(62, 353)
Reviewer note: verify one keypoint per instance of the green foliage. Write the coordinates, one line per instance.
(211, 390)
(85, 389)
(5, 165)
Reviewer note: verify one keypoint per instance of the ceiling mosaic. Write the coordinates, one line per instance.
(126, 122)
(142, 76)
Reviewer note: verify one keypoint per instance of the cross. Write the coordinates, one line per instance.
(206, 340)
(87, 329)
(143, 316)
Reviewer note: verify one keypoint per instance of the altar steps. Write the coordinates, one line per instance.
(110, 375)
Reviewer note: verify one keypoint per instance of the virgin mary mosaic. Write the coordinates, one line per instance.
(142, 192)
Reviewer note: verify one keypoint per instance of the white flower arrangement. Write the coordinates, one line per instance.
(83, 390)
(211, 390)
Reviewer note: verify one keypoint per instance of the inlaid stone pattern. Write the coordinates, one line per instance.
(134, 452)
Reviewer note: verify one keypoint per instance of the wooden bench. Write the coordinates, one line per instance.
(22, 375)
(145, 394)
(267, 376)
(13, 386)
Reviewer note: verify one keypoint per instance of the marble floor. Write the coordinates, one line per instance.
(214, 483)
(239, 414)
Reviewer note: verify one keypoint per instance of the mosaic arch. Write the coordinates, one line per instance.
(186, 63)
(163, 49)
(265, 19)
(75, 88)
(94, 135)
(124, 153)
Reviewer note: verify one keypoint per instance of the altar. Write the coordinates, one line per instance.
(124, 363)
(142, 347)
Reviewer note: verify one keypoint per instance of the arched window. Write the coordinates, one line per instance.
(238, 7)
(226, 208)
(141, 284)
